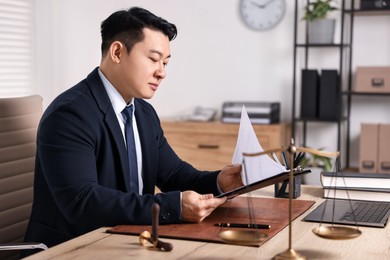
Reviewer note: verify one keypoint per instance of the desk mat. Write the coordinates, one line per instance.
(271, 211)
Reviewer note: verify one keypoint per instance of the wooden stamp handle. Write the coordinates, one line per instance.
(155, 217)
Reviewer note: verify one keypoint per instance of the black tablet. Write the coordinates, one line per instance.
(262, 183)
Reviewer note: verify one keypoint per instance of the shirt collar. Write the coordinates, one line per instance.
(117, 101)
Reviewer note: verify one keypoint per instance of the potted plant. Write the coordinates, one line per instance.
(320, 27)
(316, 164)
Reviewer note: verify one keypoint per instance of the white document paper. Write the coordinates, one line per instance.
(255, 168)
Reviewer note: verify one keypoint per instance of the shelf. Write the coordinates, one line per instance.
(334, 45)
(368, 12)
(351, 169)
(319, 120)
(353, 93)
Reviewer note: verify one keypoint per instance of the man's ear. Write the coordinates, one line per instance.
(116, 50)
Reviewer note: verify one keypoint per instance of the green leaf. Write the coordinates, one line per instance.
(318, 9)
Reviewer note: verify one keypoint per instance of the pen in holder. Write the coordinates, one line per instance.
(282, 189)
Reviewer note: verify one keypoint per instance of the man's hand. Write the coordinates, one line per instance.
(196, 207)
(230, 178)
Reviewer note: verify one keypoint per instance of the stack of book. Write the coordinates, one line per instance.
(356, 186)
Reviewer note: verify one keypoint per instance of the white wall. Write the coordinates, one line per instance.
(215, 58)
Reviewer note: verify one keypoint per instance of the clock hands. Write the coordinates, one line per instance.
(262, 6)
(262, 15)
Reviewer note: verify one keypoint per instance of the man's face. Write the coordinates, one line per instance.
(142, 70)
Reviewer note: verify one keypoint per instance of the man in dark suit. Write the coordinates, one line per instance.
(83, 171)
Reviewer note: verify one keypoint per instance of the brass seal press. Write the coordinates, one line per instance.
(145, 237)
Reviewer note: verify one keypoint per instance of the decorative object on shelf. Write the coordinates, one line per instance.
(199, 114)
(320, 95)
(320, 28)
(329, 95)
(309, 93)
(261, 15)
(373, 79)
(374, 4)
(374, 151)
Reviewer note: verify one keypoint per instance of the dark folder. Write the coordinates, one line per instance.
(329, 96)
(309, 94)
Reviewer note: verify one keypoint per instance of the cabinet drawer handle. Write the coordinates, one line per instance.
(368, 164)
(385, 166)
(377, 82)
(208, 146)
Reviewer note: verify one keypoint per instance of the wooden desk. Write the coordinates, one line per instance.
(374, 243)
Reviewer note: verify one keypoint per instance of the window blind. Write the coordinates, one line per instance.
(16, 47)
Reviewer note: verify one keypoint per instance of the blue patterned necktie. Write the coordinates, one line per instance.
(131, 152)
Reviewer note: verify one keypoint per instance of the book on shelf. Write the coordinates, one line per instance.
(355, 180)
(357, 193)
(356, 186)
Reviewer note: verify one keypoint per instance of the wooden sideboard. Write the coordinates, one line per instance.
(210, 145)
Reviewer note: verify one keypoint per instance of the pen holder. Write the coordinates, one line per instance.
(282, 189)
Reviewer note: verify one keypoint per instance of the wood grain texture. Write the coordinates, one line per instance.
(210, 145)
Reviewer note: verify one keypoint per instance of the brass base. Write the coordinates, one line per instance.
(145, 240)
(243, 237)
(290, 254)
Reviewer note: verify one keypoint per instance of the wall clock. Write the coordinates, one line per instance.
(262, 15)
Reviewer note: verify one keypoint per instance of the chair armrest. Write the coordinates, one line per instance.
(23, 246)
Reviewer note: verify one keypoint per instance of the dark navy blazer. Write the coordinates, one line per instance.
(81, 181)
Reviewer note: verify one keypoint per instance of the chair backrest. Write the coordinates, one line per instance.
(19, 118)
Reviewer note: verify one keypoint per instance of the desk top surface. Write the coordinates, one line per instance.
(374, 243)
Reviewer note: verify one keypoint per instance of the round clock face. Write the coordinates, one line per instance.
(262, 14)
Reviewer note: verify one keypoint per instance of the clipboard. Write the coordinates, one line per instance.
(262, 183)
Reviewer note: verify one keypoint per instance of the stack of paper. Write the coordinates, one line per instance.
(254, 168)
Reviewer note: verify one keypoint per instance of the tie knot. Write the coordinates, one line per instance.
(127, 112)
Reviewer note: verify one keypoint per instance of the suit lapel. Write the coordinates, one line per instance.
(103, 101)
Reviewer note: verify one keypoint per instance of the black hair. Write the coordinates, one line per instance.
(126, 26)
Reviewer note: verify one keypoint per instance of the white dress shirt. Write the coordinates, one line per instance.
(118, 103)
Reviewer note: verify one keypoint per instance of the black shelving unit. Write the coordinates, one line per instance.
(344, 47)
(341, 48)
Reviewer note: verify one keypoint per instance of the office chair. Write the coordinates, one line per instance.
(19, 118)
